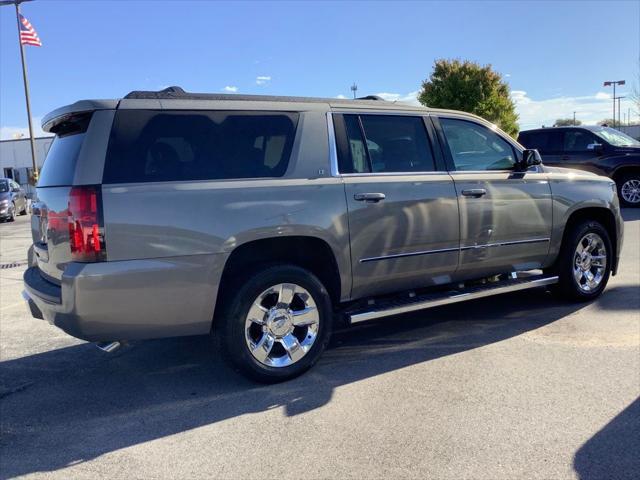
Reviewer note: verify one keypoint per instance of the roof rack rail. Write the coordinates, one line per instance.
(372, 97)
(169, 92)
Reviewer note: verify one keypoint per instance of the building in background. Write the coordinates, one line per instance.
(15, 159)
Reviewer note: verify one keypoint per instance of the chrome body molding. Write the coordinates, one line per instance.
(410, 254)
(436, 300)
(453, 249)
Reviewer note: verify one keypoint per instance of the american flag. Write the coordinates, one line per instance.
(28, 35)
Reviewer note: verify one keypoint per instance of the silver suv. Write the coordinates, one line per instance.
(261, 220)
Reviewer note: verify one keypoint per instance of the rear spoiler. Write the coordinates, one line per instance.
(55, 119)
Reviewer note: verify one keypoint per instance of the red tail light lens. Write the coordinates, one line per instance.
(86, 231)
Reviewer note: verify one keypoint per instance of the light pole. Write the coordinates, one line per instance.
(574, 119)
(614, 83)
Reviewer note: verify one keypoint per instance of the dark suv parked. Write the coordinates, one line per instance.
(601, 150)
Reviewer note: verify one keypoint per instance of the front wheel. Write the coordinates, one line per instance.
(584, 263)
(277, 324)
(12, 212)
(629, 190)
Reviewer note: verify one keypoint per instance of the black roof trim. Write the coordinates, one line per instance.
(177, 93)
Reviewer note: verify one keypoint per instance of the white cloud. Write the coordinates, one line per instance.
(411, 97)
(230, 89)
(590, 109)
(10, 132)
(262, 79)
(341, 97)
(507, 75)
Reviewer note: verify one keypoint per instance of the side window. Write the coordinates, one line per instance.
(544, 142)
(397, 143)
(577, 140)
(391, 144)
(157, 146)
(475, 147)
(357, 150)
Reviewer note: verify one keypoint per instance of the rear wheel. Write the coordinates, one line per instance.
(24, 210)
(629, 189)
(277, 324)
(584, 263)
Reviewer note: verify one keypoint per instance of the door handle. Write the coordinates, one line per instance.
(474, 192)
(369, 197)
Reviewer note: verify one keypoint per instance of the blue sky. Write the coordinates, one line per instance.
(555, 55)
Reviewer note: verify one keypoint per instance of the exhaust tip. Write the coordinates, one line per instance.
(108, 347)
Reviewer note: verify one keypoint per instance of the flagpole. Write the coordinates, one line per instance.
(26, 94)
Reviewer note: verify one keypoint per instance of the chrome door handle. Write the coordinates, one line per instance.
(369, 197)
(474, 192)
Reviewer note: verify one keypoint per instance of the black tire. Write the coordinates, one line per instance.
(24, 210)
(567, 286)
(625, 179)
(229, 325)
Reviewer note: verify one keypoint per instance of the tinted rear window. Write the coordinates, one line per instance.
(60, 164)
(159, 146)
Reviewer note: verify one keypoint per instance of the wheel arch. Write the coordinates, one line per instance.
(602, 215)
(311, 253)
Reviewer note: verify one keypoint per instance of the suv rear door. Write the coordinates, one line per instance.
(505, 215)
(548, 142)
(402, 208)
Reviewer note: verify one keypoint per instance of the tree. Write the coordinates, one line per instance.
(566, 122)
(606, 121)
(473, 88)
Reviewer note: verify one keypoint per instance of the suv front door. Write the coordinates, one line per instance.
(402, 208)
(578, 150)
(505, 215)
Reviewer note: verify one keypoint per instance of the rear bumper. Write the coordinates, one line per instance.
(129, 300)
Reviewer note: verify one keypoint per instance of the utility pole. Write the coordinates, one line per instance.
(574, 119)
(25, 79)
(354, 89)
(619, 119)
(614, 83)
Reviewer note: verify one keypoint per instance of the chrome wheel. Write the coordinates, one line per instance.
(630, 191)
(590, 262)
(282, 325)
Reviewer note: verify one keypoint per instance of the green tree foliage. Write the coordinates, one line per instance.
(566, 122)
(473, 88)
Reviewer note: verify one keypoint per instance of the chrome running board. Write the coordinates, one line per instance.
(430, 300)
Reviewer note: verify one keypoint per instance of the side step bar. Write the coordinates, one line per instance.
(431, 300)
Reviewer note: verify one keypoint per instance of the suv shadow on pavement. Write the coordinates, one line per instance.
(74, 404)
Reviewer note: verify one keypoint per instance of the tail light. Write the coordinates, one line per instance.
(86, 229)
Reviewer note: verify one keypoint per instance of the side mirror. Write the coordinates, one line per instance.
(530, 157)
(596, 147)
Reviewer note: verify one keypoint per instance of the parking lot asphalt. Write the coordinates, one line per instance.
(516, 386)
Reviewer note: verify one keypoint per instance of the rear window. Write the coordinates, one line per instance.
(60, 164)
(160, 146)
